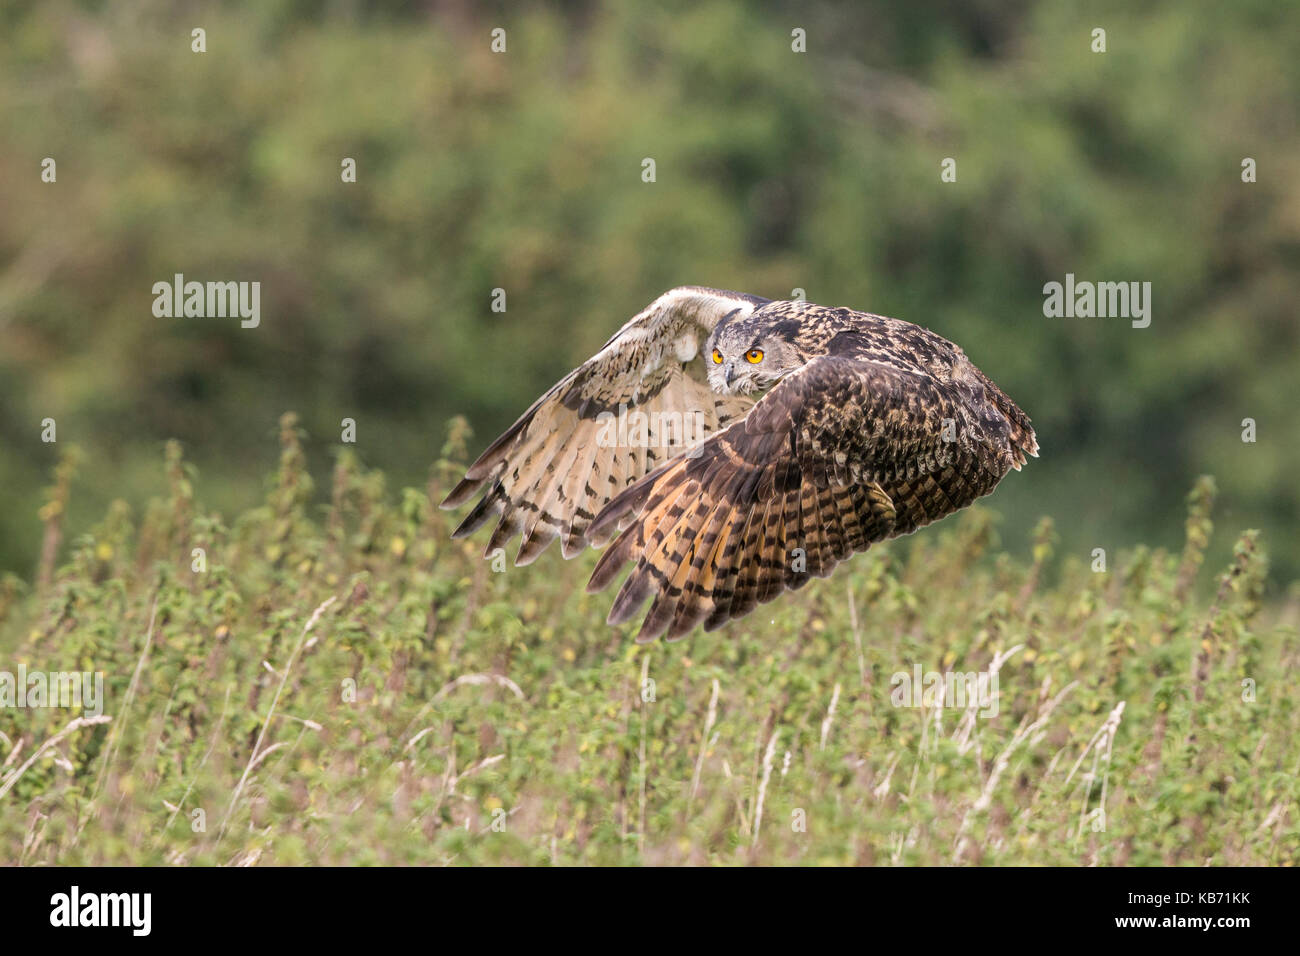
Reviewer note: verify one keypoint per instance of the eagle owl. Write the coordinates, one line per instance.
(734, 447)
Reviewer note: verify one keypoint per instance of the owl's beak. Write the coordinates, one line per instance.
(729, 372)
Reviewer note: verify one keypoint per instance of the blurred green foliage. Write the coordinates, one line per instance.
(775, 170)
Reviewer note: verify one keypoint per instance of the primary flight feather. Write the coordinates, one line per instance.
(733, 447)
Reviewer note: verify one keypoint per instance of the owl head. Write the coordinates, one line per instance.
(750, 354)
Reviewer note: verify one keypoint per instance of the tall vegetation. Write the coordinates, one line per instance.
(340, 683)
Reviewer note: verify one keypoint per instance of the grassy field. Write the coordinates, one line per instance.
(340, 683)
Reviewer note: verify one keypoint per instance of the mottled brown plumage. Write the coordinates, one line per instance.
(867, 428)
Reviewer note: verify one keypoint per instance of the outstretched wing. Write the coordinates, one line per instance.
(841, 453)
(567, 456)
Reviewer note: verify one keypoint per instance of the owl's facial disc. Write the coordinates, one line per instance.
(740, 363)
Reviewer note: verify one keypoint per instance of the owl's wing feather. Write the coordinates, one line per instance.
(555, 468)
(841, 453)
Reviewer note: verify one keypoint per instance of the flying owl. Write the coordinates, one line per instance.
(734, 447)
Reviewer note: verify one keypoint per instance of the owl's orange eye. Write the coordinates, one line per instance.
(717, 357)
(754, 356)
